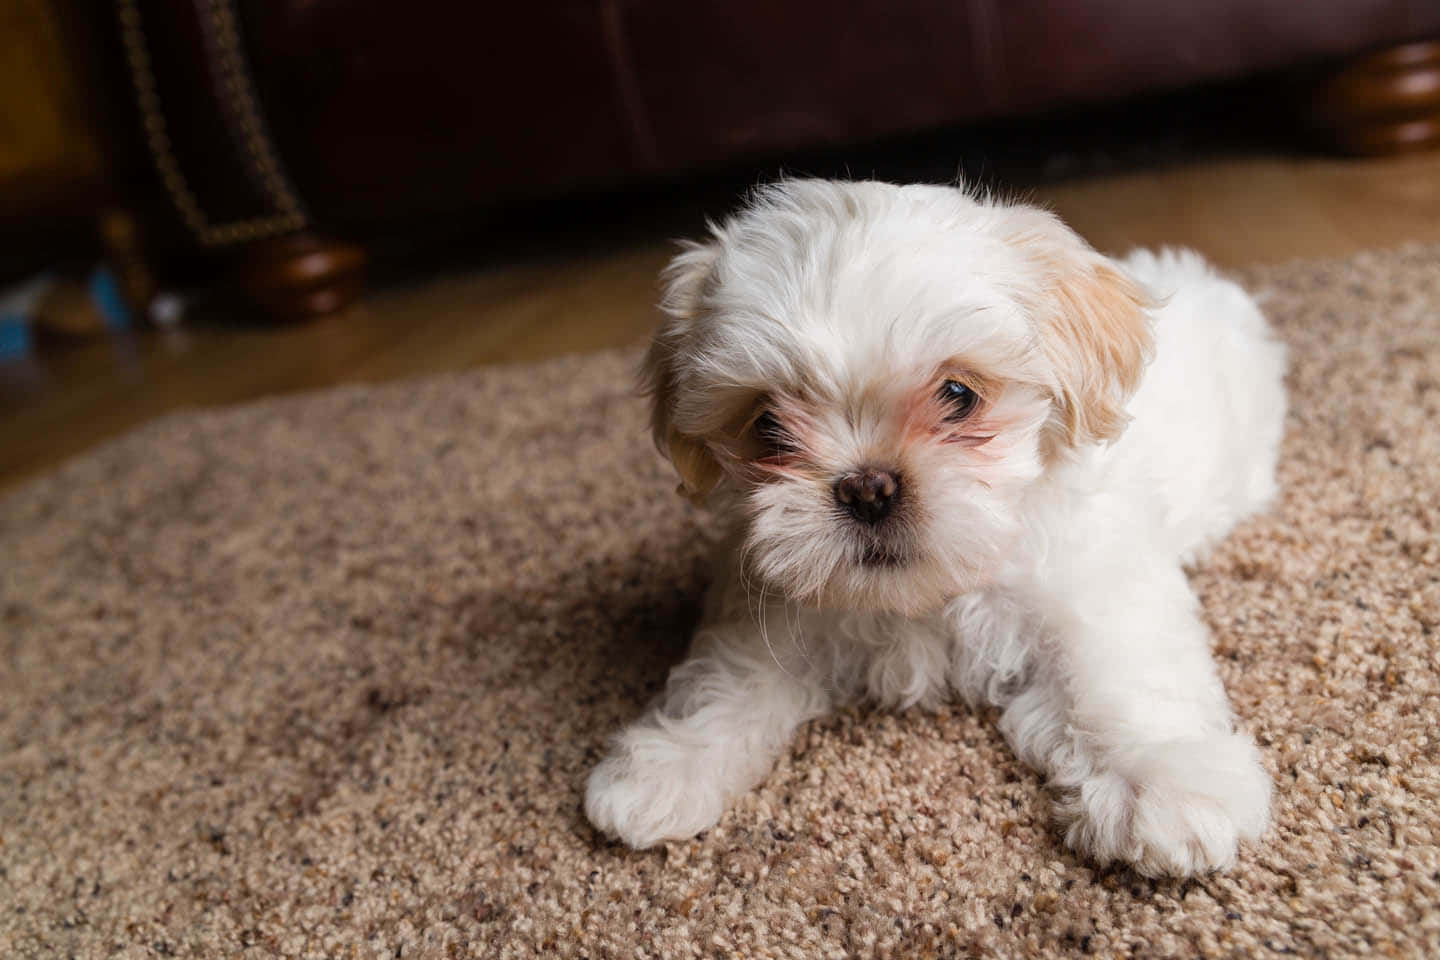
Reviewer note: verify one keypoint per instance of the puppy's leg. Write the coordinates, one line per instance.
(714, 733)
(1127, 716)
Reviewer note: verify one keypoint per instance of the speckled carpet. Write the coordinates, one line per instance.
(323, 677)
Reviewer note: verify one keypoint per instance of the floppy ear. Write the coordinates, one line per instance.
(685, 280)
(1093, 329)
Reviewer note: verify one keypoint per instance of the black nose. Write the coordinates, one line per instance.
(868, 494)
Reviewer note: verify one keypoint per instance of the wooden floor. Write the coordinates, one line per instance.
(1236, 210)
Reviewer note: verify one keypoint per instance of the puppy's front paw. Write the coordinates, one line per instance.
(1172, 809)
(650, 789)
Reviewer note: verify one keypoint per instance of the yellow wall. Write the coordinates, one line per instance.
(46, 133)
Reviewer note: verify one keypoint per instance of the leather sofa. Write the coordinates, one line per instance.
(273, 127)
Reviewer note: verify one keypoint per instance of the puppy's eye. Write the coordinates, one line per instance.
(772, 436)
(959, 400)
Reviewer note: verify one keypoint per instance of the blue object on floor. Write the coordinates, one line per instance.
(105, 291)
(16, 303)
(14, 336)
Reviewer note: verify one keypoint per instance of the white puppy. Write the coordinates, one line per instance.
(953, 467)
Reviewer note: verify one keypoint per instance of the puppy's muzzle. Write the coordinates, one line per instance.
(868, 495)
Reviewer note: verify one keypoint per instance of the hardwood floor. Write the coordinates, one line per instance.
(1261, 210)
(1236, 210)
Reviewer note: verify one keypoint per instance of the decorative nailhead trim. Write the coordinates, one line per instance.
(236, 86)
(242, 98)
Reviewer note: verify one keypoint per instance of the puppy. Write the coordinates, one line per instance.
(963, 454)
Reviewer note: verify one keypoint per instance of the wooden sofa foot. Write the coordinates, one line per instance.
(301, 275)
(1386, 102)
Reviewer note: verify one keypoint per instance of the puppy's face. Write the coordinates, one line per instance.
(874, 376)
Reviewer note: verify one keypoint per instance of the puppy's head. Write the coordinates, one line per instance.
(872, 376)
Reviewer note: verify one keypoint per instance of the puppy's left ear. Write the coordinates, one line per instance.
(1093, 328)
(685, 281)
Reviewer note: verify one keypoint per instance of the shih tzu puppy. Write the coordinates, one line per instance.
(961, 453)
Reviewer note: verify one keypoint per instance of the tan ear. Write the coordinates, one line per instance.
(1093, 328)
(684, 280)
(1098, 340)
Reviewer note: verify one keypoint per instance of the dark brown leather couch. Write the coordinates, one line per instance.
(353, 117)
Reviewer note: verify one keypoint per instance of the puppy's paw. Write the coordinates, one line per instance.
(1177, 808)
(650, 789)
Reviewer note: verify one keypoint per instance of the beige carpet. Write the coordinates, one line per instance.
(323, 677)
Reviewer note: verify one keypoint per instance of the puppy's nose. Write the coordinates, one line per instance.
(868, 494)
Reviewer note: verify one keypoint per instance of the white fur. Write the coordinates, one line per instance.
(1047, 582)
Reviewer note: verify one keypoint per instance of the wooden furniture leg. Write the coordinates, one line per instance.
(301, 275)
(1383, 103)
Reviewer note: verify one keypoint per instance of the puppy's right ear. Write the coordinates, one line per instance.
(685, 280)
